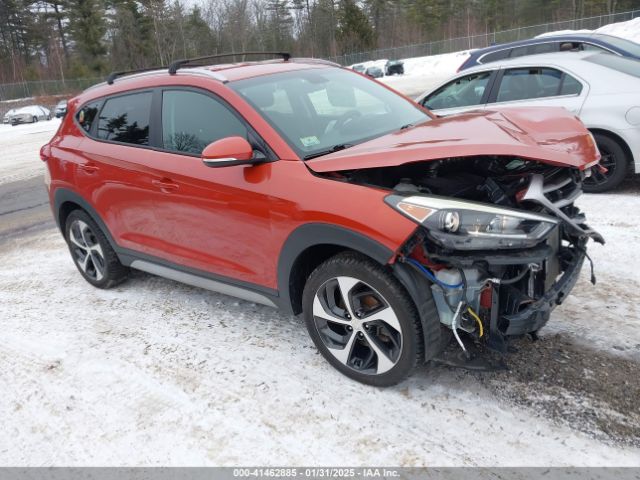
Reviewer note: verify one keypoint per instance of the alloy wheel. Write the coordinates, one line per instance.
(357, 325)
(86, 250)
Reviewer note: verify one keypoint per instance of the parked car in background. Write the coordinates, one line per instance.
(30, 114)
(358, 68)
(7, 116)
(307, 186)
(595, 42)
(60, 109)
(602, 89)
(394, 67)
(374, 72)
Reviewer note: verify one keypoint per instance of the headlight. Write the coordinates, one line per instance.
(462, 225)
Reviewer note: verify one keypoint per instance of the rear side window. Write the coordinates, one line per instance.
(126, 119)
(538, 48)
(527, 83)
(192, 120)
(87, 114)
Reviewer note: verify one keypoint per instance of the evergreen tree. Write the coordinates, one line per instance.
(87, 26)
(354, 32)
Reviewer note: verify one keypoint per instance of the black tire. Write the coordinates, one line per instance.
(102, 268)
(615, 159)
(35, 120)
(372, 281)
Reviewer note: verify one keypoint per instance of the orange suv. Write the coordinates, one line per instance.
(305, 186)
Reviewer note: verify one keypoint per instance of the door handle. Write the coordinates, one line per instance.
(165, 185)
(88, 167)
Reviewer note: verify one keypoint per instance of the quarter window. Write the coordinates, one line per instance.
(191, 121)
(462, 92)
(87, 115)
(126, 119)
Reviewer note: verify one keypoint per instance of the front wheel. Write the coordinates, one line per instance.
(362, 320)
(614, 160)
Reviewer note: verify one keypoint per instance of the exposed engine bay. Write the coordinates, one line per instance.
(500, 239)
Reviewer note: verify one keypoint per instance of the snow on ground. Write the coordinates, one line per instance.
(154, 372)
(425, 73)
(20, 149)
(158, 373)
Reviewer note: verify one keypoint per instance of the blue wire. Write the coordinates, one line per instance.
(431, 276)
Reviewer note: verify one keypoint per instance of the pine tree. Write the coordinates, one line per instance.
(87, 26)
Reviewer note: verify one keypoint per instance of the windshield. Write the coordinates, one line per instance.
(322, 110)
(621, 43)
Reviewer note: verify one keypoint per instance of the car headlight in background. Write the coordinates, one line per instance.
(462, 225)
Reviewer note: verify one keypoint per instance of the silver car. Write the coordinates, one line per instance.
(602, 89)
(30, 114)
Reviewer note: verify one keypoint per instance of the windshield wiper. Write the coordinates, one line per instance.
(408, 125)
(335, 148)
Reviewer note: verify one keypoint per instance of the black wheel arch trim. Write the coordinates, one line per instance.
(64, 195)
(434, 335)
(317, 234)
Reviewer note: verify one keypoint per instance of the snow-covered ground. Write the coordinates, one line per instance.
(158, 373)
(17, 158)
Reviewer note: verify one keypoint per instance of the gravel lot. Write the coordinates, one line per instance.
(158, 373)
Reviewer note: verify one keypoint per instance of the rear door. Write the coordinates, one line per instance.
(464, 93)
(112, 172)
(538, 86)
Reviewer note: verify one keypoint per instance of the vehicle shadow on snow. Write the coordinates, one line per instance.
(588, 390)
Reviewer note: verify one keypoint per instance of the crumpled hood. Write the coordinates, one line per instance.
(548, 135)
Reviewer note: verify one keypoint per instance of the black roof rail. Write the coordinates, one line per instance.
(173, 68)
(113, 75)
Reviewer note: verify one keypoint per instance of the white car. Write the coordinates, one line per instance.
(7, 116)
(602, 89)
(30, 114)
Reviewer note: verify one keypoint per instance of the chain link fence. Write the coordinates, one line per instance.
(483, 40)
(12, 91)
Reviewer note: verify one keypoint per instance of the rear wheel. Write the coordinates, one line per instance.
(614, 160)
(362, 320)
(91, 252)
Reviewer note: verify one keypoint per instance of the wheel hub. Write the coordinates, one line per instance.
(86, 250)
(357, 325)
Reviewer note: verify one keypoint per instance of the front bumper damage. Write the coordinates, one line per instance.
(533, 317)
(508, 292)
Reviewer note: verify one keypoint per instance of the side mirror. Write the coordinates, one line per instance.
(227, 152)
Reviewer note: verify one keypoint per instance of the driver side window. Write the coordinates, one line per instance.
(461, 92)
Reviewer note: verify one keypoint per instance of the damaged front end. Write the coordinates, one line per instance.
(500, 240)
